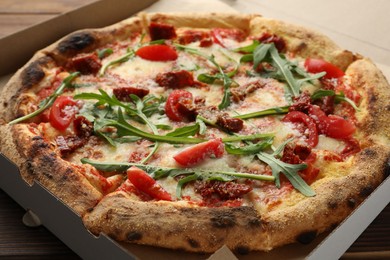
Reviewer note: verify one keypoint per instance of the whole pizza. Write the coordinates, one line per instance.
(194, 131)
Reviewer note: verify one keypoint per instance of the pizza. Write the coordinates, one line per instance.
(194, 131)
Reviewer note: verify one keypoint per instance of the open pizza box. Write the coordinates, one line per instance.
(43, 208)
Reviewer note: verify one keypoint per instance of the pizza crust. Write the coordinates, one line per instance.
(180, 225)
(37, 161)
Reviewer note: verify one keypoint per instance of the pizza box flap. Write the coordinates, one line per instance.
(18, 48)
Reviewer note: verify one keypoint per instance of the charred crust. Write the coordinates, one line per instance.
(307, 237)
(193, 243)
(134, 236)
(332, 205)
(254, 222)
(365, 191)
(369, 153)
(386, 171)
(34, 73)
(223, 220)
(351, 203)
(242, 250)
(75, 43)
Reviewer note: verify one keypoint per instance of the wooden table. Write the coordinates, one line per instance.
(20, 242)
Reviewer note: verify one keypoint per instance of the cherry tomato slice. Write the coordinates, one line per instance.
(318, 65)
(200, 152)
(157, 53)
(173, 105)
(146, 184)
(62, 112)
(299, 117)
(339, 128)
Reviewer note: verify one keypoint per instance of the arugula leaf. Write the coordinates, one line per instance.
(250, 148)
(249, 48)
(237, 138)
(48, 102)
(207, 78)
(119, 60)
(202, 125)
(289, 170)
(104, 53)
(184, 131)
(338, 97)
(266, 112)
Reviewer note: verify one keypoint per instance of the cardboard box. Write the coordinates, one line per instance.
(66, 225)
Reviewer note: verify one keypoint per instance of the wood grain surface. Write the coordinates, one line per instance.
(20, 242)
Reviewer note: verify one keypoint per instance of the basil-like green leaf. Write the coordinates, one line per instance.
(338, 97)
(48, 102)
(207, 78)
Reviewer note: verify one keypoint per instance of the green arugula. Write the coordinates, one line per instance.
(192, 174)
(220, 76)
(266, 112)
(48, 102)
(338, 97)
(278, 67)
(129, 54)
(289, 170)
(104, 53)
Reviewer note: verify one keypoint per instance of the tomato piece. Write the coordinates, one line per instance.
(299, 117)
(339, 128)
(198, 153)
(320, 118)
(157, 53)
(176, 102)
(219, 34)
(62, 112)
(331, 125)
(146, 184)
(318, 65)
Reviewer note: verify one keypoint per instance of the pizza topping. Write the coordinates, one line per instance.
(62, 112)
(301, 154)
(190, 36)
(229, 123)
(123, 93)
(86, 63)
(157, 52)
(221, 190)
(310, 127)
(279, 43)
(146, 184)
(175, 79)
(222, 36)
(178, 106)
(317, 65)
(198, 153)
(159, 31)
(48, 102)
